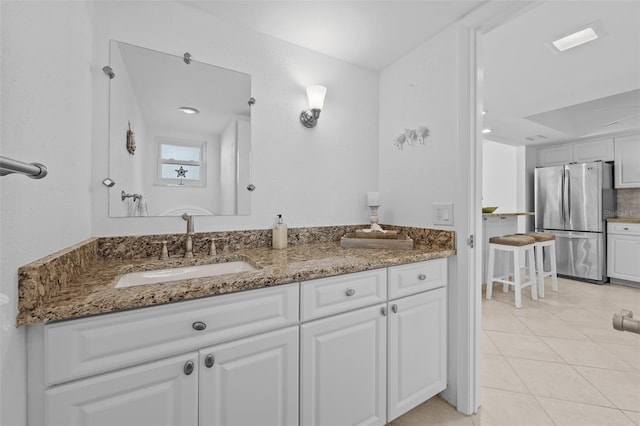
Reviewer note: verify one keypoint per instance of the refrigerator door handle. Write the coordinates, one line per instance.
(565, 197)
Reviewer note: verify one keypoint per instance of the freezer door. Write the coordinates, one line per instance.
(580, 254)
(548, 190)
(584, 194)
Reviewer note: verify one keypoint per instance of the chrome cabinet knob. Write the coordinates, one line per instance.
(422, 277)
(350, 292)
(209, 361)
(394, 308)
(199, 326)
(188, 367)
(383, 311)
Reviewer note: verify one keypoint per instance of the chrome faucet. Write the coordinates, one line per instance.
(188, 248)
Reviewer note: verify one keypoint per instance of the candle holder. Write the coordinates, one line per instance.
(373, 219)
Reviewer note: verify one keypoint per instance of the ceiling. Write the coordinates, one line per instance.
(532, 96)
(371, 34)
(535, 96)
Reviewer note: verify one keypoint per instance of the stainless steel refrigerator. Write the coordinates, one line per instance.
(573, 202)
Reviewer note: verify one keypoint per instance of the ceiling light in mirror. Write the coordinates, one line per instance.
(188, 110)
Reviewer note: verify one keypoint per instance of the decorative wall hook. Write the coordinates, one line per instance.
(411, 137)
(108, 71)
(131, 143)
(187, 58)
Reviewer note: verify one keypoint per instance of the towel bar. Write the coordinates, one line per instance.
(33, 170)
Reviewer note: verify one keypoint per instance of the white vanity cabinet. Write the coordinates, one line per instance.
(153, 394)
(343, 348)
(252, 381)
(369, 365)
(623, 251)
(417, 336)
(343, 369)
(360, 348)
(150, 366)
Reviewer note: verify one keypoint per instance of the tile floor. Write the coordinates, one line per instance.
(557, 361)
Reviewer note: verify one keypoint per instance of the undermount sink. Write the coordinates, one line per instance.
(183, 273)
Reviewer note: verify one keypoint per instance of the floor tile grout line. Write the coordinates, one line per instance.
(545, 410)
(560, 399)
(595, 387)
(624, 412)
(631, 368)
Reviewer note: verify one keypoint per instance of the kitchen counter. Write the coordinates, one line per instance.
(625, 219)
(79, 281)
(508, 214)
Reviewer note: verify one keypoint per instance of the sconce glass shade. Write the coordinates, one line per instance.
(316, 94)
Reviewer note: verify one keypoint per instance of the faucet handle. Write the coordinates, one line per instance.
(164, 252)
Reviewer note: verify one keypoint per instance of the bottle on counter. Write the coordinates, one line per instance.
(279, 237)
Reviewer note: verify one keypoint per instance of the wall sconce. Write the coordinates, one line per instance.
(316, 94)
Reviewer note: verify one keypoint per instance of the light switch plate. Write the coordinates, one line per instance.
(443, 214)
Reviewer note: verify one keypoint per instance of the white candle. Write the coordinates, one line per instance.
(373, 198)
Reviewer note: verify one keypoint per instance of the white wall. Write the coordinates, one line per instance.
(46, 117)
(427, 87)
(312, 176)
(499, 176)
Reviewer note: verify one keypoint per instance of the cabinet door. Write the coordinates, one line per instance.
(153, 394)
(555, 156)
(585, 152)
(627, 165)
(252, 381)
(343, 369)
(417, 350)
(622, 257)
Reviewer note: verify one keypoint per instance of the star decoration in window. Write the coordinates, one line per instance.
(182, 173)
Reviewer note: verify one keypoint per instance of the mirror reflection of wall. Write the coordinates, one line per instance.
(193, 160)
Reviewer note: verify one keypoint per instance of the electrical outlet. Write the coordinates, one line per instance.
(443, 214)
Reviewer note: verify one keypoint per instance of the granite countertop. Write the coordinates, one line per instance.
(625, 219)
(508, 214)
(44, 295)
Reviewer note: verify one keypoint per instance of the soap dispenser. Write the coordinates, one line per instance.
(279, 234)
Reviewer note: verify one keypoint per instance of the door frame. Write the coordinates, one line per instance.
(471, 30)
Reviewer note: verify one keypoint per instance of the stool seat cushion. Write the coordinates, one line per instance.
(541, 236)
(512, 240)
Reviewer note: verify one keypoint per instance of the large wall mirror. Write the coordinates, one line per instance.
(179, 135)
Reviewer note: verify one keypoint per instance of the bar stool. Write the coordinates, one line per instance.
(519, 245)
(545, 239)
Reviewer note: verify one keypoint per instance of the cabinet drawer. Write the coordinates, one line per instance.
(84, 347)
(416, 277)
(328, 296)
(623, 228)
